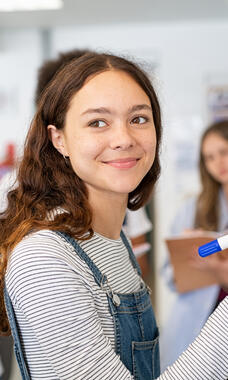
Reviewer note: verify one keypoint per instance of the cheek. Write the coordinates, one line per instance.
(150, 144)
(226, 162)
(212, 169)
(209, 167)
(84, 149)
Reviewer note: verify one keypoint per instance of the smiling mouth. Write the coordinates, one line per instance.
(123, 163)
(223, 172)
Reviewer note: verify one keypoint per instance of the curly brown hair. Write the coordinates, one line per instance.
(46, 181)
(207, 212)
(50, 68)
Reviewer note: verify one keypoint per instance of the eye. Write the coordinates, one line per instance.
(97, 124)
(139, 120)
(208, 158)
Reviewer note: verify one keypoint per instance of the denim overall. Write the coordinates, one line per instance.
(136, 332)
(17, 344)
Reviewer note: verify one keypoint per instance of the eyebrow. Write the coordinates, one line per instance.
(140, 107)
(102, 110)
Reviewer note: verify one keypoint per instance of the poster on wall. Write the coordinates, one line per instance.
(218, 102)
(217, 96)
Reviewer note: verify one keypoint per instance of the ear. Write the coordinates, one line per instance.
(58, 140)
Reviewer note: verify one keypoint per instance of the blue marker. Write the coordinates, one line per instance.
(214, 246)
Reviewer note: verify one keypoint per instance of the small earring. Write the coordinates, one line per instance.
(65, 158)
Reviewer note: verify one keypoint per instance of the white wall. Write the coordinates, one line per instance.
(20, 56)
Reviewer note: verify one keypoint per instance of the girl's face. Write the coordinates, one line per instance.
(215, 154)
(109, 133)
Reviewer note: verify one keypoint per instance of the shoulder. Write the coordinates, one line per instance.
(43, 252)
(40, 244)
(44, 264)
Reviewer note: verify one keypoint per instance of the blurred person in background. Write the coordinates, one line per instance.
(208, 212)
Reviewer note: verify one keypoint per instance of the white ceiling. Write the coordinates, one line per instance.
(82, 12)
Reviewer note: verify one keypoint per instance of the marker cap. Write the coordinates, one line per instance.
(209, 248)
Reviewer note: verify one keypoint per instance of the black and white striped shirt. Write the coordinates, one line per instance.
(65, 326)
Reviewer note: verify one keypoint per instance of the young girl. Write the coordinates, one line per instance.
(77, 305)
(208, 212)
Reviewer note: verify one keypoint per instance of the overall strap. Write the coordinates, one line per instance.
(98, 276)
(16, 337)
(131, 254)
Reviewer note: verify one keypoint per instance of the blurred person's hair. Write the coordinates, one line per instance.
(49, 69)
(207, 213)
(46, 180)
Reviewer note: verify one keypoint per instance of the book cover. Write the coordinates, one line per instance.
(183, 251)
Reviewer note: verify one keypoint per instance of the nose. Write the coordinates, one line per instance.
(122, 138)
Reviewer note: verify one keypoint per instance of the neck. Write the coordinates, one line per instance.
(108, 213)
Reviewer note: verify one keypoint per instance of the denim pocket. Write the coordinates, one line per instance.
(146, 362)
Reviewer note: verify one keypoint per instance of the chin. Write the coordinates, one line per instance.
(223, 180)
(123, 186)
(126, 189)
(224, 183)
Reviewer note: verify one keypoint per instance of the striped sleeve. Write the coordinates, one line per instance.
(207, 357)
(58, 304)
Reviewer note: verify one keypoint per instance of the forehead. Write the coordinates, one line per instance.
(212, 142)
(111, 85)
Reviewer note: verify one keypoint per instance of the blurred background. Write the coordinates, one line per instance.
(181, 44)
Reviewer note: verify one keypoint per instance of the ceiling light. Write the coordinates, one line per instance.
(29, 5)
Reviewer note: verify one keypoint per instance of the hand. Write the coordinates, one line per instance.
(216, 264)
(194, 232)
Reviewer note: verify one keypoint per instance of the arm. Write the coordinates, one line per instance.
(206, 357)
(56, 298)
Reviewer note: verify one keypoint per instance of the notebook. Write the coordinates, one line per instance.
(184, 249)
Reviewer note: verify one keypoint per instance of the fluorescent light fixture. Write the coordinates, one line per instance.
(29, 5)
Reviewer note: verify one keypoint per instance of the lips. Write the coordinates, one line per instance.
(123, 163)
(223, 172)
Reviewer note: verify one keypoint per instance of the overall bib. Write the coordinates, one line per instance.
(136, 332)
